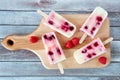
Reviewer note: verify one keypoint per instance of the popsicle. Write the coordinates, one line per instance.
(91, 50)
(59, 23)
(53, 49)
(93, 23)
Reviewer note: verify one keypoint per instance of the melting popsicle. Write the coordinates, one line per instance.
(93, 23)
(91, 50)
(59, 24)
(53, 48)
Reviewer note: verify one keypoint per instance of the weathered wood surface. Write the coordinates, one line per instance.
(60, 78)
(36, 69)
(33, 18)
(59, 5)
(20, 17)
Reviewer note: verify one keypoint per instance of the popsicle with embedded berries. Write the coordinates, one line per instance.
(59, 23)
(53, 49)
(91, 50)
(93, 23)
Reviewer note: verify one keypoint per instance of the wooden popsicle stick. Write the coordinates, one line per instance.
(107, 40)
(83, 38)
(60, 68)
(42, 13)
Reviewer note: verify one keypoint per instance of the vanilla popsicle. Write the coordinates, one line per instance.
(59, 23)
(53, 48)
(89, 51)
(93, 22)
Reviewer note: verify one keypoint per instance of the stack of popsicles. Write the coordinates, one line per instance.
(66, 28)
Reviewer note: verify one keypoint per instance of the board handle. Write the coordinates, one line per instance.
(15, 42)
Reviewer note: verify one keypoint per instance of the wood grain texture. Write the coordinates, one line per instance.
(33, 18)
(60, 78)
(59, 5)
(36, 69)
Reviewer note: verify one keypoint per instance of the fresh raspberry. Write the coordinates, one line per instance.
(34, 39)
(103, 60)
(75, 41)
(69, 44)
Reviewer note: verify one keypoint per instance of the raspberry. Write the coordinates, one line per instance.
(34, 39)
(84, 51)
(50, 53)
(75, 41)
(103, 60)
(96, 44)
(89, 55)
(86, 27)
(50, 22)
(89, 47)
(69, 44)
(71, 28)
(66, 23)
(99, 18)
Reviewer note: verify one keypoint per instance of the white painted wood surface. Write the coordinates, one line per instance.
(20, 17)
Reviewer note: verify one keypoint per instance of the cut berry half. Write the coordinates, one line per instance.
(34, 39)
(103, 60)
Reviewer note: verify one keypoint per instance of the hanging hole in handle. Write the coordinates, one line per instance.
(10, 42)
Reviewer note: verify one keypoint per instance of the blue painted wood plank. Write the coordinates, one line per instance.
(59, 5)
(37, 69)
(60, 78)
(19, 18)
(33, 18)
(18, 30)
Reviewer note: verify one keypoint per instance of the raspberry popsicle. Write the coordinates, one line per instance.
(59, 24)
(93, 23)
(53, 49)
(91, 50)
